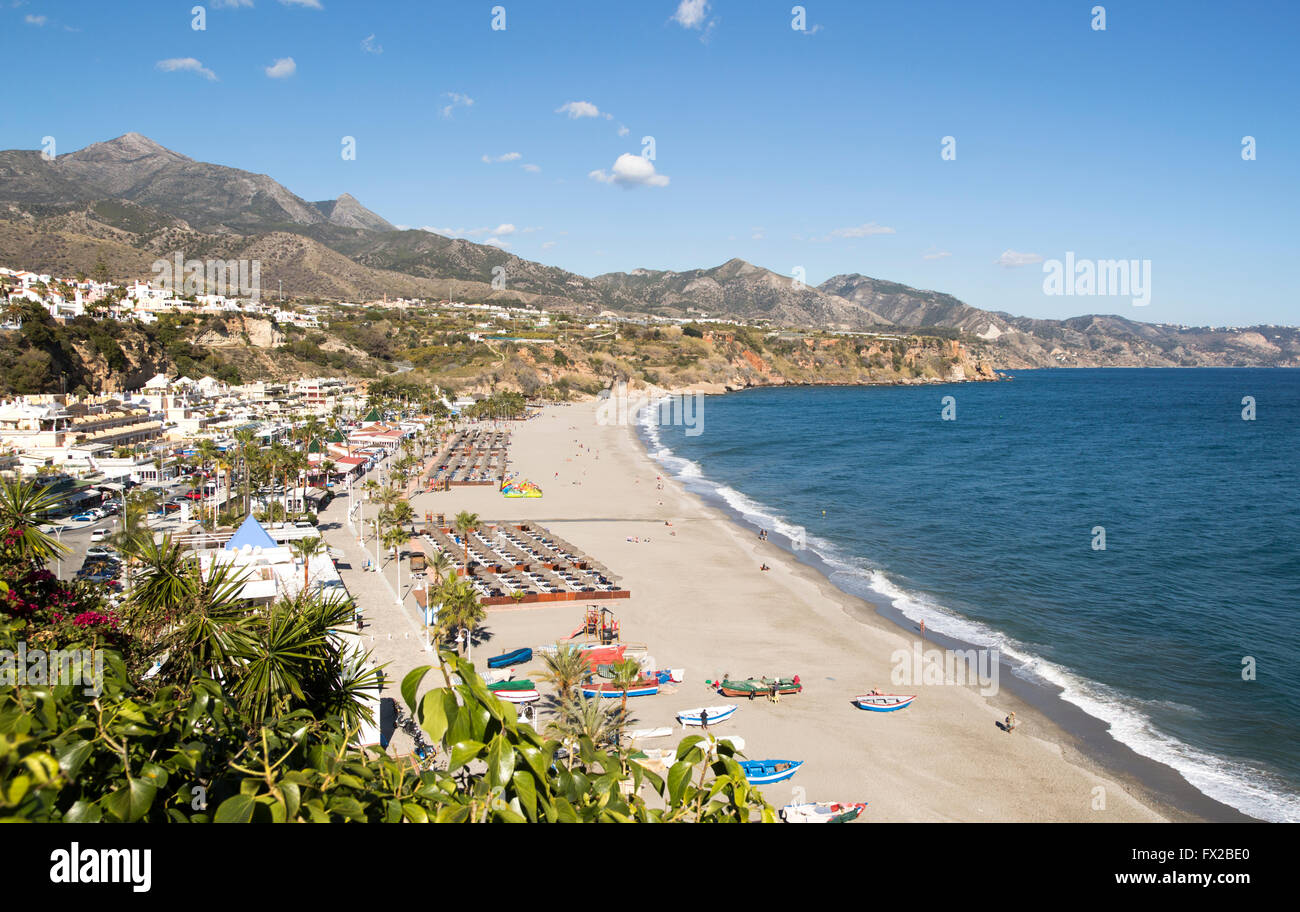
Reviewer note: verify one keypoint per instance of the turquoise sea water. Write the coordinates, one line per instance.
(985, 527)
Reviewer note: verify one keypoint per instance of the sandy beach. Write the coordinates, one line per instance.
(700, 602)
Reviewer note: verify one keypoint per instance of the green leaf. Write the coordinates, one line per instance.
(526, 792)
(73, 756)
(410, 683)
(501, 761)
(678, 777)
(433, 713)
(131, 802)
(83, 812)
(236, 809)
(463, 752)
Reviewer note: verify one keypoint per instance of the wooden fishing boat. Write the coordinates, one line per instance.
(521, 684)
(716, 714)
(759, 687)
(765, 772)
(517, 696)
(510, 658)
(883, 703)
(646, 687)
(822, 812)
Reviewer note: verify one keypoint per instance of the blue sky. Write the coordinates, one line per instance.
(816, 149)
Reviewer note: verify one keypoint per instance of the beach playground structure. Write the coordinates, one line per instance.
(599, 625)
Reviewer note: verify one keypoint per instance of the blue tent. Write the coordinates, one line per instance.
(250, 533)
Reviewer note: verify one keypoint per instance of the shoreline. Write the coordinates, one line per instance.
(701, 603)
(1074, 730)
(1071, 727)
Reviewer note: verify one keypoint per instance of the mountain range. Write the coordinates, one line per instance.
(129, 200)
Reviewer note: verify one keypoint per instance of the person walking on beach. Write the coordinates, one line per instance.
(923, 628)
(704, 719)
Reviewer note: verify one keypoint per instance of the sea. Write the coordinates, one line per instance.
(1129, 539)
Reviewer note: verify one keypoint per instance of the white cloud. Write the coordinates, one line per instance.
(857, 231)
(631, 171)
(35, 20)
(310, 4)
(506, 228)
(457, 101)
(497, 242)
(690, 13)
(1010, 259)
(547, 245)
(576, 109)
(232, 4)
(370, 46)
(186, 64)
(282, 68)
(937, 255)
(532, 169)
(508, 157)
(623, 131)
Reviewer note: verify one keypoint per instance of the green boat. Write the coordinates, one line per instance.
(511, 685)
(759, 687)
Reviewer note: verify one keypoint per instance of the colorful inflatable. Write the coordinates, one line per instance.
(520, 489)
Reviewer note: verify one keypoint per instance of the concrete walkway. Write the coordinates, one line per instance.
(393, 633)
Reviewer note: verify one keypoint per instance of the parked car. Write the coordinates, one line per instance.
(171, 507)
(100, 551)
(99, 535)
(192, 495)
(85, 517)
(303, 524)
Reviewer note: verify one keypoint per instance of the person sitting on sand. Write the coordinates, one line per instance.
(1010, 723)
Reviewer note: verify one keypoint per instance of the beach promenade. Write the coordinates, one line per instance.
(700, 602)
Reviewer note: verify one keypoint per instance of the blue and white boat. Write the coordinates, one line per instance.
(716, 714)
(883, 703)
(765, 772)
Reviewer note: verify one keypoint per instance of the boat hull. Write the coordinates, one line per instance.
(765, 772)
(645, 689)
(716, 714)
(822, 812)
(883, 703)
(758, 687)
(510, 658)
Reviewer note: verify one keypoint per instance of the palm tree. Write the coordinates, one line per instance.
(461, 610)
(394, 537)
(625, 675)
(586, 717)
(566, 669)
(306, 548)
(402, 513)
(206, 455)
(466, 523)
(246, 448)
(441, 565)
(23, 508)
